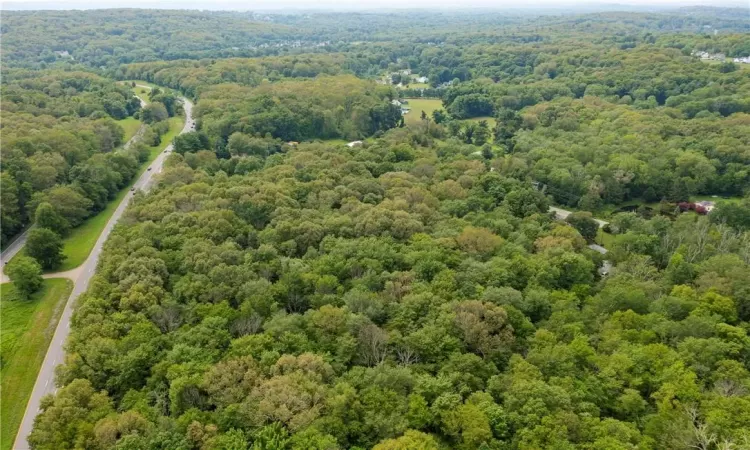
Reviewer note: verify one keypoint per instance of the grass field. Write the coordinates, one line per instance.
(78, 244)
(28, 326)
(417, 105)
(130, 125)
(141, 92)
(490, 121)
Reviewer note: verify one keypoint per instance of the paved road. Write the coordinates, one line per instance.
(10, 251)
(45, 382)
(562, 214)
(20, 240)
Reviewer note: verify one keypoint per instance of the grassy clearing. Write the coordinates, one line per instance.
(714, 62)
(81, 240)
(141, 92)
(28, 326)
(335, 141)
(608, 210)
(490, 121)
(417, 105)
(604, 239)
(131, 126)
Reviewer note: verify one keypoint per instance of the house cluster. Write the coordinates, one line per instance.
(709, 56)
(401, 104)
(720, 57)
(404, 73)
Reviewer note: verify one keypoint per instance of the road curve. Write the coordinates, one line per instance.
(45, 381)
(562, 214)
(20, 240)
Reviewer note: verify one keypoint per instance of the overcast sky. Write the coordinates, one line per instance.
(256, 5)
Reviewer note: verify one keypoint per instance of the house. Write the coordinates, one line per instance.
(707, 205)
(742, 60)
(422, 79)
(406, 72)
(405, 111)
(353, 144)
(292, 143)
(395, 102)
(63, 54)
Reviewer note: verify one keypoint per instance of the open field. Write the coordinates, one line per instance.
(417, 105)
(131, 126)
(28, 326)
(490, 121)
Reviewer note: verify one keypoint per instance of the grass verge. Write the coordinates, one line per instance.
(78, 244)
(27, 329)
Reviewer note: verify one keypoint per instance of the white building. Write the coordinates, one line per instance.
(353, 144)
(422, 79)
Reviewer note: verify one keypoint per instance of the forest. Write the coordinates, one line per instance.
(399, 296)
(59, 132)
(281, 290)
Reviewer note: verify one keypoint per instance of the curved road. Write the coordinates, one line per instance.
(45, 382)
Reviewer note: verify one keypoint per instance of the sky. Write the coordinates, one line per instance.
(287, 5)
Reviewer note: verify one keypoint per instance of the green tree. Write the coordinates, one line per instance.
(26, 275)
(154, 112)
(48, 217)
(439, 115)
(584, 222)
(45, 246)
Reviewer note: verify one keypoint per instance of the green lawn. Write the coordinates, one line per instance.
(490, 121)
(417, 105)
(141, 92)
(131, 126)
(80, 241)
(608, 210)
(604, 239)
(28, 326)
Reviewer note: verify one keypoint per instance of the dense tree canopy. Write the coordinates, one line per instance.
(280, 290)
(294, 110)
(392, 295)
(58, 141)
